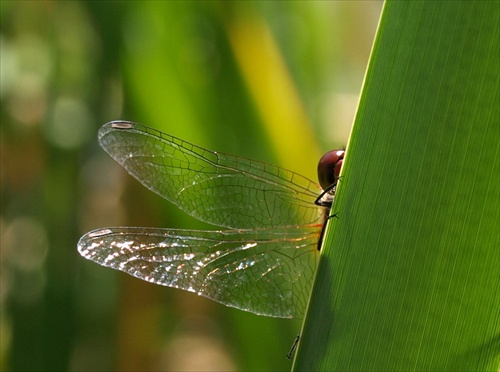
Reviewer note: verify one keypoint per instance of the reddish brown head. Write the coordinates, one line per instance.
(329, 167)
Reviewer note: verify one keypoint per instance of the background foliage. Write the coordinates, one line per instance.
(274, 81)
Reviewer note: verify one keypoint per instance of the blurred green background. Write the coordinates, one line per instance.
(273, 81)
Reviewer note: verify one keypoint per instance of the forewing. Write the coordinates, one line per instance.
(216, 188)
(266, 272)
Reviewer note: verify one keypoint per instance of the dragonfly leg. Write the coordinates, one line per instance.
(294, 346)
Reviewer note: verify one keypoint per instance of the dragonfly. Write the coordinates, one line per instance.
(265, 258)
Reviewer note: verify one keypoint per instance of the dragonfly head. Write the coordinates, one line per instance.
(329, 168)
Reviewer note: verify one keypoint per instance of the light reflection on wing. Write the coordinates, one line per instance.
(217, 188)
(264, 271)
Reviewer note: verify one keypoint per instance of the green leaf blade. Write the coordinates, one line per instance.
(410, 273)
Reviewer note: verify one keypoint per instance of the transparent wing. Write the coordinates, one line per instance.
(266, 271)
(216, 188)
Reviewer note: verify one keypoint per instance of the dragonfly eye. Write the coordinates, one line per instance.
(329, 167)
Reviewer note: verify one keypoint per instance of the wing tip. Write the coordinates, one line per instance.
(83, 245)
(113, 126)
(117, 125)
(99, 232)
(120, 124)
